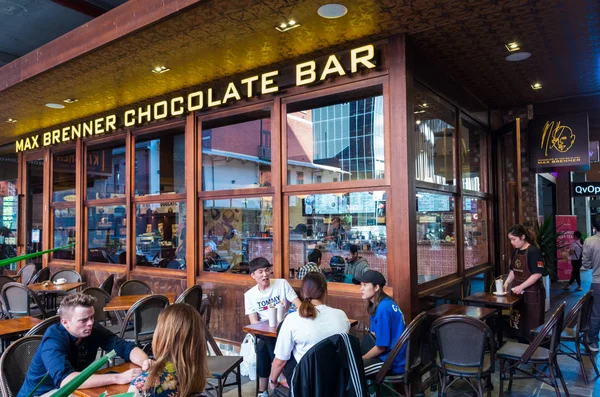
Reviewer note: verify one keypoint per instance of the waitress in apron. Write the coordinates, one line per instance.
(526, 268)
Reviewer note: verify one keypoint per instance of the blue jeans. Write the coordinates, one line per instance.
(595, 317)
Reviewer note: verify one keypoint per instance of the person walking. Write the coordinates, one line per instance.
(590, 259)
(575, 252)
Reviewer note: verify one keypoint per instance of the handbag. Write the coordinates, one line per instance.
(248, 351)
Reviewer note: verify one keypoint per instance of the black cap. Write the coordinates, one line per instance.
(370, 276)
(258, 263)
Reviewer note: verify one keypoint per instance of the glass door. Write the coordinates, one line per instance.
(34, 207)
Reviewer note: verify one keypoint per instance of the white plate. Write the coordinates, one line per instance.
(500, 293)
(60, 281)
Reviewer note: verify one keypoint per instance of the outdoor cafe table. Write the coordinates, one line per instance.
(51, 289)
(110, 389)
(126, 301)
(498, 302)
(262, 328)
(16, 326)
(480, 313)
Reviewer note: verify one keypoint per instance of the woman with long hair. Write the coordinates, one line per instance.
(179, 347)
(386, 322)
(526, 269)
(313, 322)
(575, 254)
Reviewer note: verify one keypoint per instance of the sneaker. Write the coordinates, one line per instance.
(566, 287)
(263, 394)
(594, 346)
(578, 289)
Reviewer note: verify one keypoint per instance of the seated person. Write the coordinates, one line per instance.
(301, 330)
(336, 232)
(356, 265)
(257, 300)
(179, 346)
(313, 265)
(70, 346)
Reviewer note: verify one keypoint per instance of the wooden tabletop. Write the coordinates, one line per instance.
(15, 326)
(125, 302)
(51, 287)
(486, 299)
(262, 328)
(111, 389)
(480, 313)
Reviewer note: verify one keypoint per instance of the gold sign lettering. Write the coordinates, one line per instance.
(306, 69)
(558, 137)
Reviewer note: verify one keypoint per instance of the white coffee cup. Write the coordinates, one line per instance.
(272, 315)
(499, 286)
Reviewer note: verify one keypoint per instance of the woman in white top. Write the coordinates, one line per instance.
(575, 251)
(313, 322)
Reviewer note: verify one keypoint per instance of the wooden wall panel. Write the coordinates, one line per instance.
(162, 284)
(93, 277)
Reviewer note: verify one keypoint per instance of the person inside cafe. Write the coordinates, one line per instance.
(356, 265)
(386, 325)
(71, 345)
(179, 346)
(313, 265)
(267, 292)
(301, 330)
(336, 231)
(575, 254)
(526, 270)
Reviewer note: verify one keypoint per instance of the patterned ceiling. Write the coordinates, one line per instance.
(216, 39)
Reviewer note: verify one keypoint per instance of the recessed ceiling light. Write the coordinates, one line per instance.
(518, 56)
(419, 111)
(289, 25)
(160, 69)
(9, 120)
(536, 86)
(71, 100)
(332, 11)
(418, 121)
(512, 47)
(55, 106)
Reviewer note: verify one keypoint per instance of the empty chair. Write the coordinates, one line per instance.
(144, 314)
(5, 280)
(17, 300)
(42, 275)
(534, 361)
(102, 299)
(462, 343)
(41, 328)
(221, 366)
(70, 275)
(192, 296)
(107, 285)
(135, 287)
(26, 273)
(15, 363)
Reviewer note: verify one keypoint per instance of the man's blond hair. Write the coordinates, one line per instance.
(72, 301)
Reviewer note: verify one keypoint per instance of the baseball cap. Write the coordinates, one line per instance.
(258, 263)
(370, 276)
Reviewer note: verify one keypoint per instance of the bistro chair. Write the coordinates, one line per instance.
(3, 281)
(144, 314)
(17, 300)
(41, 328)
(42, 275)
(102, 299)
(533, 360)
(107, 285)
(575, 329)
(220, 366)
(26, 273)
(15, 362)
(135, 287)
(461, 343)
(70, 275)
(410, 340)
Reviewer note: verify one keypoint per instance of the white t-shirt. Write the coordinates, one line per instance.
(258, 301)
(297, 335)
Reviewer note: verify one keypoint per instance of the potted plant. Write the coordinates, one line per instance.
(546, 239)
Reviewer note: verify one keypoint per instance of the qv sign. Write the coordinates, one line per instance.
(586, 189)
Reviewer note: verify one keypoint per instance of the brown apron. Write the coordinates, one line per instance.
(529, 312)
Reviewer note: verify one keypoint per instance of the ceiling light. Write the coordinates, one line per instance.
(332, 11)
(512, 47)
(536, 86)
(55, 106)
(518, 56)
(71, 100)
(289, 25)
(419, 111)
(9, 120)
(160, 69)
(418, 121)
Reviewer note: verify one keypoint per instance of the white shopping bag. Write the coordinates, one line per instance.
(248, 366)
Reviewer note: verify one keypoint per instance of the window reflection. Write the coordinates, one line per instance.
(106, 173)
(64, 233)
(237, 231)
(349, 230)
(160, 164)
(160, 235)
(475, 231)
(63, 177)
(471, 137)
(8, 206)
(106, 228)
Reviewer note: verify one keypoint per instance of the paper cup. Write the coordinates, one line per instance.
(272, 313)
(499, 286)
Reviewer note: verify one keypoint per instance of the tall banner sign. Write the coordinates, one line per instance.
(559, 143)
(565, 226)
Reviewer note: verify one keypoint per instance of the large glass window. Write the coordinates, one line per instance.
(237, 230)
(8, 205)
(336, 139)
(349, 230)
(106, 172)
(64, 233)
(475, 226)
(160, 235)
(435, 127)
(63, 177)
(436, 236)
(106, 229)
(160, 164)
(236, 152)
(471, 147)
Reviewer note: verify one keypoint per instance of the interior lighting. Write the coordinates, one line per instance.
(418, 122)
(536, 86)
(289, 25)
(512, 47)
(332, 11)
(10, 121)
(419, 111)
(518, 56)
(160, 69)
(71, 100)
(55, 106)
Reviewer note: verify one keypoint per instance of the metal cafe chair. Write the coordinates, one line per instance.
(26, 273)
(15, 362)
(461, 343)
(41, 328)
(193, 296)
(70, 275)
(107, 285)
(532, 360)
(220, 366)
(102, 299)
(144, 314)
(17, 300)
(42, 275)
(134, 287)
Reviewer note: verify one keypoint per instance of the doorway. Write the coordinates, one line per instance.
(34, 207)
